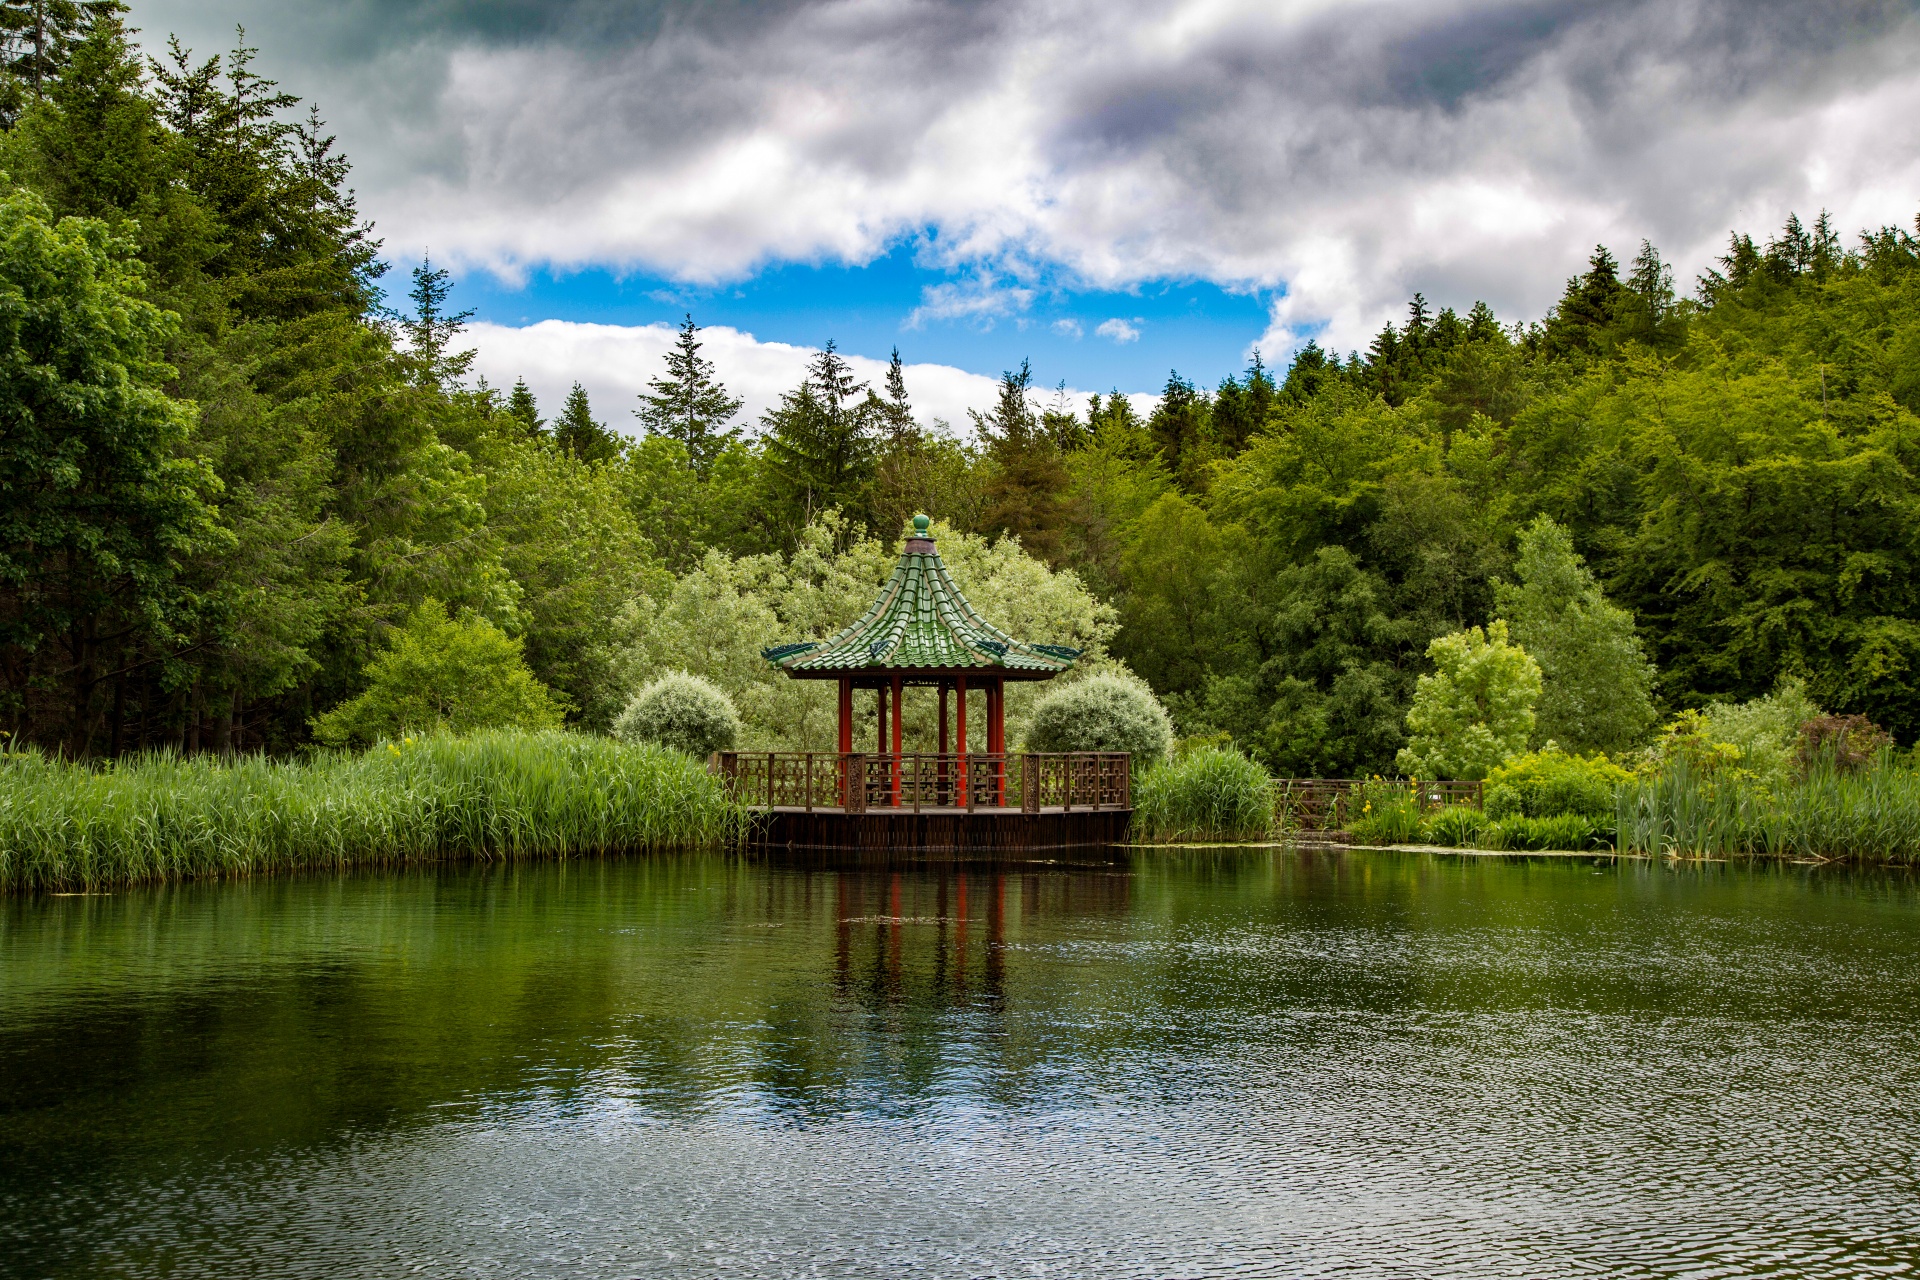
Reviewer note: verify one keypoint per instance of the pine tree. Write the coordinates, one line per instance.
(37, 37)
(897, 410)
(689, 404)
(820, 446)
(1240, 408)
(575, 431)
(1181, 429)
(1027, 477)
(522, 406)
(432, 328)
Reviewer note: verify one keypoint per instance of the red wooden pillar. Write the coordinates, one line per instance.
(997, 737)
(880, 720)
(897, 691)
(846, 733)
(961, 745)
(942, 774)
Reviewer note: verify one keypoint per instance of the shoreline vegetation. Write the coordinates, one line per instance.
(490, 795)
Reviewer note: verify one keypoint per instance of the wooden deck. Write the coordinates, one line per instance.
(968, 805)
(953, 833)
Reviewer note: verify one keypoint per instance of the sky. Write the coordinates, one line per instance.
(1112, 189)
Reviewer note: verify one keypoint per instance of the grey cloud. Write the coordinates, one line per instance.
(1353, 152)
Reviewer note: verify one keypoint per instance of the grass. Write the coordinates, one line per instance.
(488, 795)
(1869, 814)
(1210, 794)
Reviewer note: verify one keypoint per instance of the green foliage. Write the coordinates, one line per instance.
(683, 712)
(820, 443)
(1596, 683)
(1866, 815)
(1756, 739)
(688, 404)
(458, 674)
(1457, 826)
(576, 433)
(489, 795)
(1476, 710)
(1102, 712)
(1547, 784)
(98, 507)
(714, 620)
(1384, 812)
(1209, 793)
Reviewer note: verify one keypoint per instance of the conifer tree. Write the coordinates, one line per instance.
(689, 404)
(820, 445)
(523, 407)
(432, 329)
(576, 432)
(37, 38)
(1027, 477)
(896, 410)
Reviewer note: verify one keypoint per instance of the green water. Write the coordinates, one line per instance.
(1232, 1063)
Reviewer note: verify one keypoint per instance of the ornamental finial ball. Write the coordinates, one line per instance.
(920, 526)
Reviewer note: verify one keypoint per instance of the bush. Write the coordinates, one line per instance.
(1456, 826)
(1845, 743)
(1547, 784)
(1384, 813)
(683, 712)
(1574, 831)
(1106, 712)
(459, 674)
(1211, 793)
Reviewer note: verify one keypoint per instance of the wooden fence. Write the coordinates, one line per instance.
(857, 782)
(1325, 804)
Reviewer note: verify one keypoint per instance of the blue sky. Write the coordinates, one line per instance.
(981, 181)
(1197, 327)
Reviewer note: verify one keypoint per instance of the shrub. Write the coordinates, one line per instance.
(1475, 710)
(1845, 743)
(1384, 813)
(1456, 826)
(1546, 784)
(1105, 712)
(1573, 831)
(683, 712)
(459, 674)
(1210, 793)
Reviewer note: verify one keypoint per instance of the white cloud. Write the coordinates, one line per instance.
(1347, 153)
(1120, 331)
(615, 362)
(1068, 329)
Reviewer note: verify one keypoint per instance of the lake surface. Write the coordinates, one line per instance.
(1187, 1064)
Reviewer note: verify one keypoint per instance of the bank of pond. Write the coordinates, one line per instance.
(516, 795)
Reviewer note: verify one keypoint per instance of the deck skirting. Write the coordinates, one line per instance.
(981, 832)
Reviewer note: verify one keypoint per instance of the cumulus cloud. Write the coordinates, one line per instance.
(1341, 152)
(1069, 329)
(615, 362)
(1118, 330)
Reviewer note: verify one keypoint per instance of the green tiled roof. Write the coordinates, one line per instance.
(920, 620)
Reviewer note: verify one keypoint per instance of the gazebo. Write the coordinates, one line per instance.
(921, 633)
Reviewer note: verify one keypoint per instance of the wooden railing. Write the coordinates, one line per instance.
(1324, 804)
(857, 782)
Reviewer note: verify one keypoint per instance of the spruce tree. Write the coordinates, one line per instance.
(820, 445)
(896, 410)
(37, 38)
(523, 407)
(432, 329)
(689, 404)
(576, 432)
(1027, 477)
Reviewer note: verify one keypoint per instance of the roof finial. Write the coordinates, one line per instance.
(920, 526)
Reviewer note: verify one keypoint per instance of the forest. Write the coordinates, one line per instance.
(247, 477)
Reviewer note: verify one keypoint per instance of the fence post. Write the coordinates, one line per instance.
(809, 800)
(856, 782)
(968, 777)
(1029, 785)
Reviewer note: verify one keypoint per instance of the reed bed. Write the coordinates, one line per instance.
(1206, 795)
(1832, 814)
(484, 796)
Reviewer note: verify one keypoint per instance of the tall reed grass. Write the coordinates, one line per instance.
(488, 795)
(1209, 794)
(1870, 814)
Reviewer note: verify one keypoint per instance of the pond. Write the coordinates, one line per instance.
(1195, 1063)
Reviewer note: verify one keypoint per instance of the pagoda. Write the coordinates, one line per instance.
(972, 794)
(920, 632)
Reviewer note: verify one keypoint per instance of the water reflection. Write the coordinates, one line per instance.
(1193, 1063)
